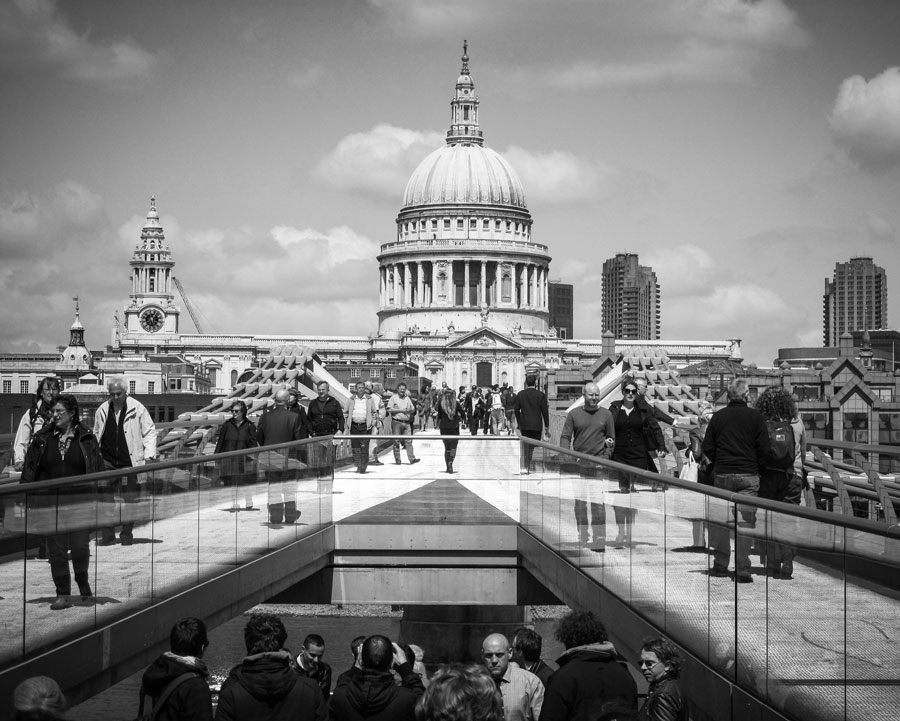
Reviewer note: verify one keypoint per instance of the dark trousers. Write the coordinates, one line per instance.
(58, 548)
(128, 489)
(527, 448)
(360, 446)
(786, 487)
(450, 445)
(720, 536)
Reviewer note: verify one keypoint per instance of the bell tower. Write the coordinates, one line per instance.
(152, 310)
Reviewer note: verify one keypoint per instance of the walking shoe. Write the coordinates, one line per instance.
(743, 578)
(414, 461)
(718, 572)
(86, 592)
(60, 603)
(127, 540)
(376, 463)
(398, 463)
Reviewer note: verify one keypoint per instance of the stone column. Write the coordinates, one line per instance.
(407, 285)
(523, 287)
(396, 269)
(483, 282)
(466, 286)
(420, 285)
(433, 283)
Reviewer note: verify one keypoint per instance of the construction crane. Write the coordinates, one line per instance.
(188, 305)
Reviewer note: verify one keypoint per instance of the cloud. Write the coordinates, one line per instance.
(35, 32)
(378, 161)
(683, 271)
(307, 77)
(561, 177)
(865, 120)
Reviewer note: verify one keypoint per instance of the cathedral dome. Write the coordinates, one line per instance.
(464, 174)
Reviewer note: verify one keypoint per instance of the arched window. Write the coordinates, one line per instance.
(234, 377)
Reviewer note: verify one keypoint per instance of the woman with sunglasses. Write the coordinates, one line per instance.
(64, 448)
(637, 436)
(661, 666)
(236, 434)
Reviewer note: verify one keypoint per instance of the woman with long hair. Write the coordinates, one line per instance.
(236, 434)
(61, 449)
(637, 436)
(449, 415)
(782, 479)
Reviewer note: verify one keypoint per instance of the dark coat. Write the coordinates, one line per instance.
(650, 430)
(281, 426)
(532, 409)
(191, 700)
(90, 447)
(450, 422)
(234, 437)
(375, 696)
(737, 439)
(325, 418)
(265, 687)
(588, 677)
(664, 702)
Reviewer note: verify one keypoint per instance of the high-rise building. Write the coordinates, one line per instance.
(562, 304)
(631, 302)
(855, 300)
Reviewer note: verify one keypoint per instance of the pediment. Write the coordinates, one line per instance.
(856, 387)
(482, 338)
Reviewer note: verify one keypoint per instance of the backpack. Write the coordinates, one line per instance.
(781, 445)
(163, 697)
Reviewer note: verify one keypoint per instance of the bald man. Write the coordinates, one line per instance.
(127, 439)
(590, 429)
(522, 691)
(279, 425)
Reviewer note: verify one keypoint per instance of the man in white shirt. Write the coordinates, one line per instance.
(402, 411)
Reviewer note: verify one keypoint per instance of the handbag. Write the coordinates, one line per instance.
(690, 471)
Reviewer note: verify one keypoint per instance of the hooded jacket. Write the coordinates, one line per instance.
(588, 677)
(265, 687)
(375, 696)
(191, 700)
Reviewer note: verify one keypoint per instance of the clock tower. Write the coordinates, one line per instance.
(152, 311)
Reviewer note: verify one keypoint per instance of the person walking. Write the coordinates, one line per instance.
(362, 414)
(236, 434)
(475, 409)
(449, 415)
(737, 446)
(532, 417)
(64, 448)
(661, 666)
(127, 438)
(402, 411)
(34, 418)
(325, 416)
(589, 429)
(375, 392)
(637, 436)
(281, 425)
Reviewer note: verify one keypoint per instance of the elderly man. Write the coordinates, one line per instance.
(590, 429)
(737, 446)
(522, 691)
(402, 411)
(280, 425)
(127, 439)
(325, 417)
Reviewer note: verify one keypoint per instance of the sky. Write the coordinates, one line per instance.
(740, 148)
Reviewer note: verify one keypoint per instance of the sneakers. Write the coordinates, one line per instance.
(414, 461)
(60, 603)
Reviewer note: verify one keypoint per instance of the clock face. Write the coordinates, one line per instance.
(151, 320)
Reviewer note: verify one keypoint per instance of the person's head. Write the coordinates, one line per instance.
(738, 390)
(322, 390)
(580, 628)
(48, 390)
(401, 390)
(530, 381)
(64, 412)
(776, 404)
(369, 387)
(659, 659)
(462, 389)
(417, 652)
(630, 391)
(38, 698)
(313, 650)
(282, 397)
(443, 385)
(117, 392)
(356, 650)
(460, 693)
(591, 395)
(264, 633)
(293, 397)
(377, 653)
(527, 644)
(188, 637)
(496, 654)
(642, 386)
(239, 410)
(360, 389)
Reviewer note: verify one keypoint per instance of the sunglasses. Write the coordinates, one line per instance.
(630, 391)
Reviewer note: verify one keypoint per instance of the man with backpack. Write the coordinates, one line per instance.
(737, 446)
(176, 682)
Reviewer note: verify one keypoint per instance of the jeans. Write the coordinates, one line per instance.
(402, 428)
(360, 446)
(720, 536)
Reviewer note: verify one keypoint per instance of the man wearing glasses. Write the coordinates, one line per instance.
(127, 440)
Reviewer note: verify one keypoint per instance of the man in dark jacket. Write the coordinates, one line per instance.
(373, 694)
(526, 646)
(280, 425)
(266, 685)
(590, 672)
(532, 416)
(189, 699)
(737, 446)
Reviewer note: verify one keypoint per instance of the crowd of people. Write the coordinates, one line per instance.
(387, 681)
